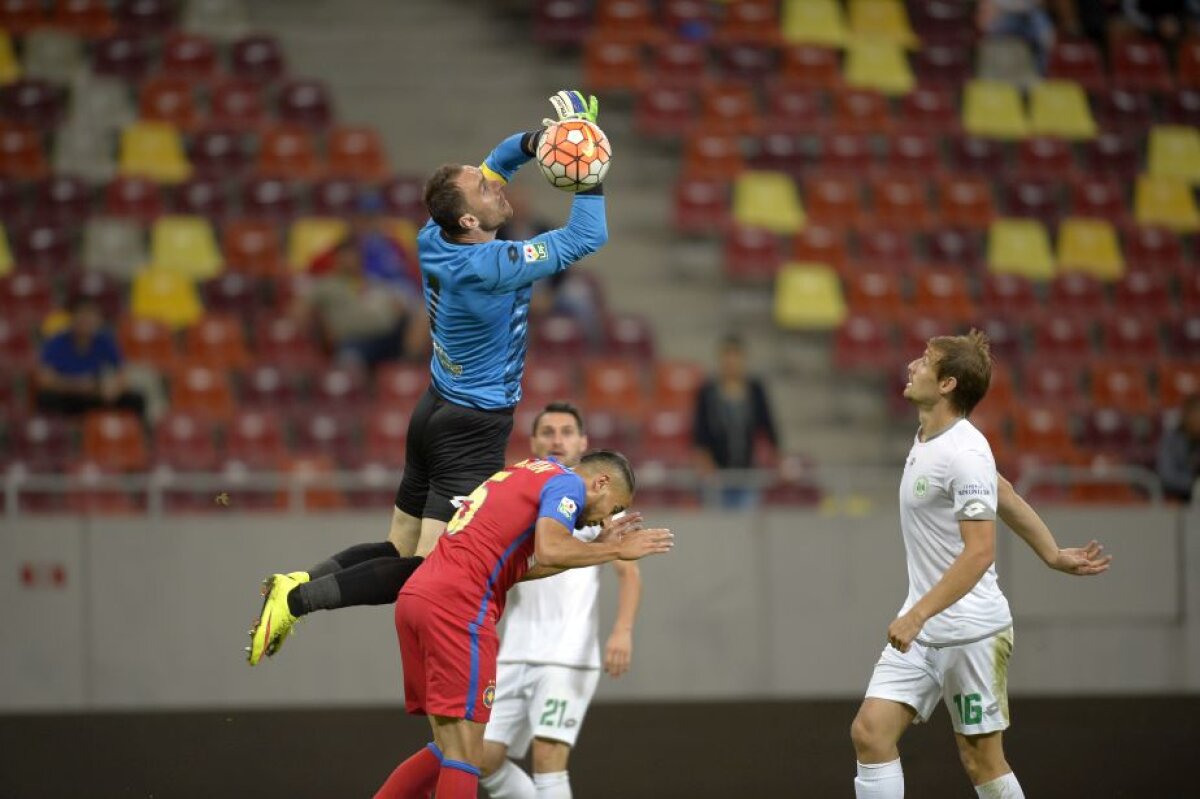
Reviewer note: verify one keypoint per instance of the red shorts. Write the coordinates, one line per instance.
(449, 664)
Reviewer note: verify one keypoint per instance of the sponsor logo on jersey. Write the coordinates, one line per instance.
(536, 251)
(974, 508)
(444, 359)
(567, 507)
(975, 490)
(489, 694)
(921, 486)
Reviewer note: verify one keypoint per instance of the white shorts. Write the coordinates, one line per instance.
(972, 679)
(539, 701)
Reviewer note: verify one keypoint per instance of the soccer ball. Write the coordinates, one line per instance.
(574, 155)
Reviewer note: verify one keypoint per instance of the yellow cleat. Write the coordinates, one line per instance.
(275, 621)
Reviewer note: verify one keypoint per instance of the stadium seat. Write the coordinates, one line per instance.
(558, 337)
(256, 439)
(901, 202)
(808, 297)
(878, 66)
(16, 346)
(186, 245)
(850, 153)
(816, 22)
(22, 16)
(562, 23)
(1028, 197)
(122, 56)
(667, 436)
(331, 434)
(400, 385)
(747, 61)
(340, 389)
(821, 245)
(357, 152)
(751, 254)
(282, 341)
(138, 199)
(1123, 112)
(779, 151)
(1140, 65)
(311, 236)
(1044, 158)
(305, 103)
(1190, 298)
(186, 443)
(32, 102)
(701, 206)
(336, 197)
(190, 56)
(1143, 292)
(1165, 202)
(676, 383)
(942, 64)
(168, 99)
(943, 294)
(965, 201)
(1090, 245)
(1044, 431)
(992, 109)
(625, 20)
(1020, 247)
(810, 67)
(1109, 431)
(912, 153)
(728, 107)
(233, 293)
(884, 246)
(237, 105)
(544, 381)
(258, 58)
(629, 336)
(1099, 197)
(1078, 293)
(10, 68)
(1060, 108)
(708, 154)
(217, 342)
(204, 392)
(21, 154)
(147, 341)
(679, 64)
(664, 112)
(107, 293)
(863, 111)
(1177, 380)
(767, 200)
(1008, 295)
(1131, 336)
(43, 444)
(1122, 386)
(25, 298)
(1182, 108)
(978, 155)
(930, 110)
(755, 21)
(218, 153)
(386, 436)
(832, 201)
(44, 246)
(955, 247)
(253, 246)
(876, 291)
(266, 386)
(270, 198)
(153, 150)
(62, 198)
(884, 21)
(6, 259)
(614, 385)
(13, 202)
(612, 64)
(168, 297)
(1063, 339)
(402, 196)
(288, 152)
(114, 440)
(1078, 61)
(1153, 248)
(200, 196)
(1174, 152)
(1053, 382)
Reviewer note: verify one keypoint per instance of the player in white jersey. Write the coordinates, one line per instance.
(549, 661)
(953, 637)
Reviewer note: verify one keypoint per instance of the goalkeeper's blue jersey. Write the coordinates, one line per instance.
(478, 295)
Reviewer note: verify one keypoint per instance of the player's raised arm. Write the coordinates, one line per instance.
(1023, 520)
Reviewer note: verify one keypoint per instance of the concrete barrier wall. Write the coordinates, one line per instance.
(141, 613)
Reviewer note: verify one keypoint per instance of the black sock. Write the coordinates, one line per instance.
(372, 582)
(352, 557)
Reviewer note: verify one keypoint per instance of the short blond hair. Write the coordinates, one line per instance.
(968, 359)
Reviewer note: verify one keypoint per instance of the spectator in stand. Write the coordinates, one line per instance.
(732, 413)
(1179, 453)
(81, 368)
(366, 321)
(1166, 20)
(1023, 19)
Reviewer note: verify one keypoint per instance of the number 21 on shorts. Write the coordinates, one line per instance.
(554, 713)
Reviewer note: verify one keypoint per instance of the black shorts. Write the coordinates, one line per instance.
(451, 450)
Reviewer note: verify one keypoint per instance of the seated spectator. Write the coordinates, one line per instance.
(81, 369)
(732, 411)
(1166, 20)
(384, 259)
(1179, 453)
(1023, 19)
(367, 322)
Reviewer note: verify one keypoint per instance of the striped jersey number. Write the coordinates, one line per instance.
(471, 505)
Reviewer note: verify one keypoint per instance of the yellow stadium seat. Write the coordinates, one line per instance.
(311, 236)
(6, 259)
(167, 297)
(814, 22)
(154, 150)
(767, 200)
(1020, 247)
(993, 110)
(878, 65)
(881, 21)
(1090, 245)
(10, 69)
(808, 297)
(187, 245)
(1060, 108)
(1175, 152)
(1165, 202)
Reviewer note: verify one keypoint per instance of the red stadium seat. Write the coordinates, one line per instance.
(217, 342)
(547, 381)
(794, 109)
(1131, 336)
(664, 112)
(272, 198)
(44, 245)
(676, 383)
(62, 198)
(186, 443)
(329, 433)
(559, 337)
(984, 156)
(626, 20)
(12, 201)
(882, 246)
(21, 16)
(122, 56)
(943, 294)
(966, 202)
(335, 197)
(1099, 198)
(1077, 294)
(1112, 154)
(145, 17)
(357, 152)
(1189, 63)
(288, 152)
(955, 247)
(16, 346)
(255, 438)
(667, 435)
(1153, 249)
(1183, 108)
(168, 99)
(1008, 294)
(282, 341)
(341, 389)
(1063, 338)
(135, 198)
(147, 341)
(864, 344)
(386, 435)
(901, 202)
(629, 336)
(612, 65)
(861, 111)
(913, 154)
(1140, 65)
(833, 201)
(751, 254)
(875, 292)
(1042, 157)
(1183, 333)
(728, 108)
(1078, 61)
(402, 196)
(929, 109)
(1143, 292)
(1177, 380)
(257, 58)
(822, 245)
(942, 65)
(237, 105)
(87, 18)
(713, 155)
(401, 385)
(849, 153)
(253, 246)
(203, 391)
(101, 289)
(750, 62)
(43, 444)
(1120, 385)
(1109, 431)
(684, 16)
(1124, 111)
(218, 153)
(561, 23)
(36, 103)
(200, 196)
(266, 386)
(613, 384)
(114, 440)
(701, 205)
(1044, 431)
(306, 104)
(680, 64)
(21, 153)
(234, 294)
(1035, 198)
(811, 67)
(190, 56)
(25, 299)
(751, 21)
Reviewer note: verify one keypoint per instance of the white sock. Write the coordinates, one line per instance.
(509, 782)
(879, 781)
(552, 785)
(1005, 787)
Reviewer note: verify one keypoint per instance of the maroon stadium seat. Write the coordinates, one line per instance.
(32, 102)
(257, 58)
(189, 55)
(751, 254)
(701, 205)
(135, 198)
(62, 198)
(307, 103)
(186, 443)
(122, 56)
(25, 298)
(1077, 294)
(200, 196)
(1079, 61)
(146, 17)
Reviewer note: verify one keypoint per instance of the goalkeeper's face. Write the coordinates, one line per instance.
(487, 207)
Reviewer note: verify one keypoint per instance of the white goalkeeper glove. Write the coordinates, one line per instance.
(573, 105)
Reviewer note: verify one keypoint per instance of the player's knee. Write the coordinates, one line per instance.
(866, 736)
(981, 763)
(550, 756)
(404, 533)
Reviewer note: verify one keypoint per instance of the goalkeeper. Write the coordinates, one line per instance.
(477, 292)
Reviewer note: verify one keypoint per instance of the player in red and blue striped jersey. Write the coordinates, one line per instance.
(516, 525)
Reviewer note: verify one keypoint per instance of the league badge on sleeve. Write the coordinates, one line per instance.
(536, 251)
(567, 508)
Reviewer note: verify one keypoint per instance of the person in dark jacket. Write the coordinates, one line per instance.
(1179, 453)
(732, 413)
